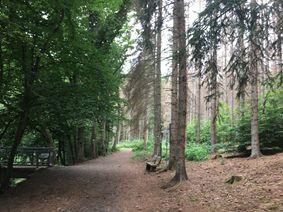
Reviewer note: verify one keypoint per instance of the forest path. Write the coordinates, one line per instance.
(117, 183)
(113, 183)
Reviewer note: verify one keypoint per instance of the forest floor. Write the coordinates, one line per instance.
(117, 183)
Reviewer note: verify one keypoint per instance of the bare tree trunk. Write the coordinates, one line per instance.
(103, 139)
(122, 132)
(80, 144)
(117, 136)
(157, 88)
(174, 95)
(18, 137)
(23, 117)
(181, 174)
(1, 67)
(214, 101)
(213, 122)
(145, 129)
(198, 106)
(94, 140)
(48, 137)
(254, 84)
(279, 32)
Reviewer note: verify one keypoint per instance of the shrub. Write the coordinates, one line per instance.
(197, 152)
(135, 145)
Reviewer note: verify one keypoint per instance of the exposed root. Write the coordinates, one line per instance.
(255, 156)
(171, 186)
(161, 170)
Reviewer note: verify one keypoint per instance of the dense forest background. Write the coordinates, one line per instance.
(63, 82)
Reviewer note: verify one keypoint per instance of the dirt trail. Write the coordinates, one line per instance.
(114, 183)
(118, 184)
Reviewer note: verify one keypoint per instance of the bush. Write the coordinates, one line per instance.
(237, 136)
(197, 152)
(270, 124)
(204, 135)
(142, 155)
(135, 145)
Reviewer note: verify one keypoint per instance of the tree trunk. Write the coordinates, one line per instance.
(279, 32)
(48, 137)
(181, 174)
(214, 102)
(117, 136)
(23, 117)
(93, 140)
(174, 95)
(157, 88)
(73, 154)
(145, 130)
(80, 144)
(198, 106)
(254, 84)
(1, 68)
(23, 121)
(103, 139)
(214, 91)
(213, 128)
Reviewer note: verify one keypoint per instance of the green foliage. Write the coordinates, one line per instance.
(135, 145)
(270, 124)
(197, 152)
(61, 64)
(237, 136)
(205, 132)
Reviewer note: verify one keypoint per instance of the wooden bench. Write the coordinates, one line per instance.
(151, 165)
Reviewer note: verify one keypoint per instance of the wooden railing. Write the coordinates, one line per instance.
(28, 156)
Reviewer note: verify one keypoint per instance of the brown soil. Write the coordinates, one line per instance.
(117, 183)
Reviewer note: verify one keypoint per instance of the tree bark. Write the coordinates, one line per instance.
(48, 137)
(117, 136)
(80, 144)
(1, 67)
(145, 129)
(94, 140)
(214, 100)
(103, 139)
(157, 87)
(174, 95)
(181, 174)
(198, 106)
(254, 84)
(279, 32)
(23, 117)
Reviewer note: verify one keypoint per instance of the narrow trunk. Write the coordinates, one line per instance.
(157, 87)
(80, 145)
(214, 101)
(17, 140)
(23, 117)
(174, 95)
(254, 84)
(1, 67)
(145, 130)
(5, 130)
(213, 122)
(94, 141)
(73, 156)
(103, 139)
(198, 107)
(48, 136)
(122, 132)
(117, 136)
(279, 37)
